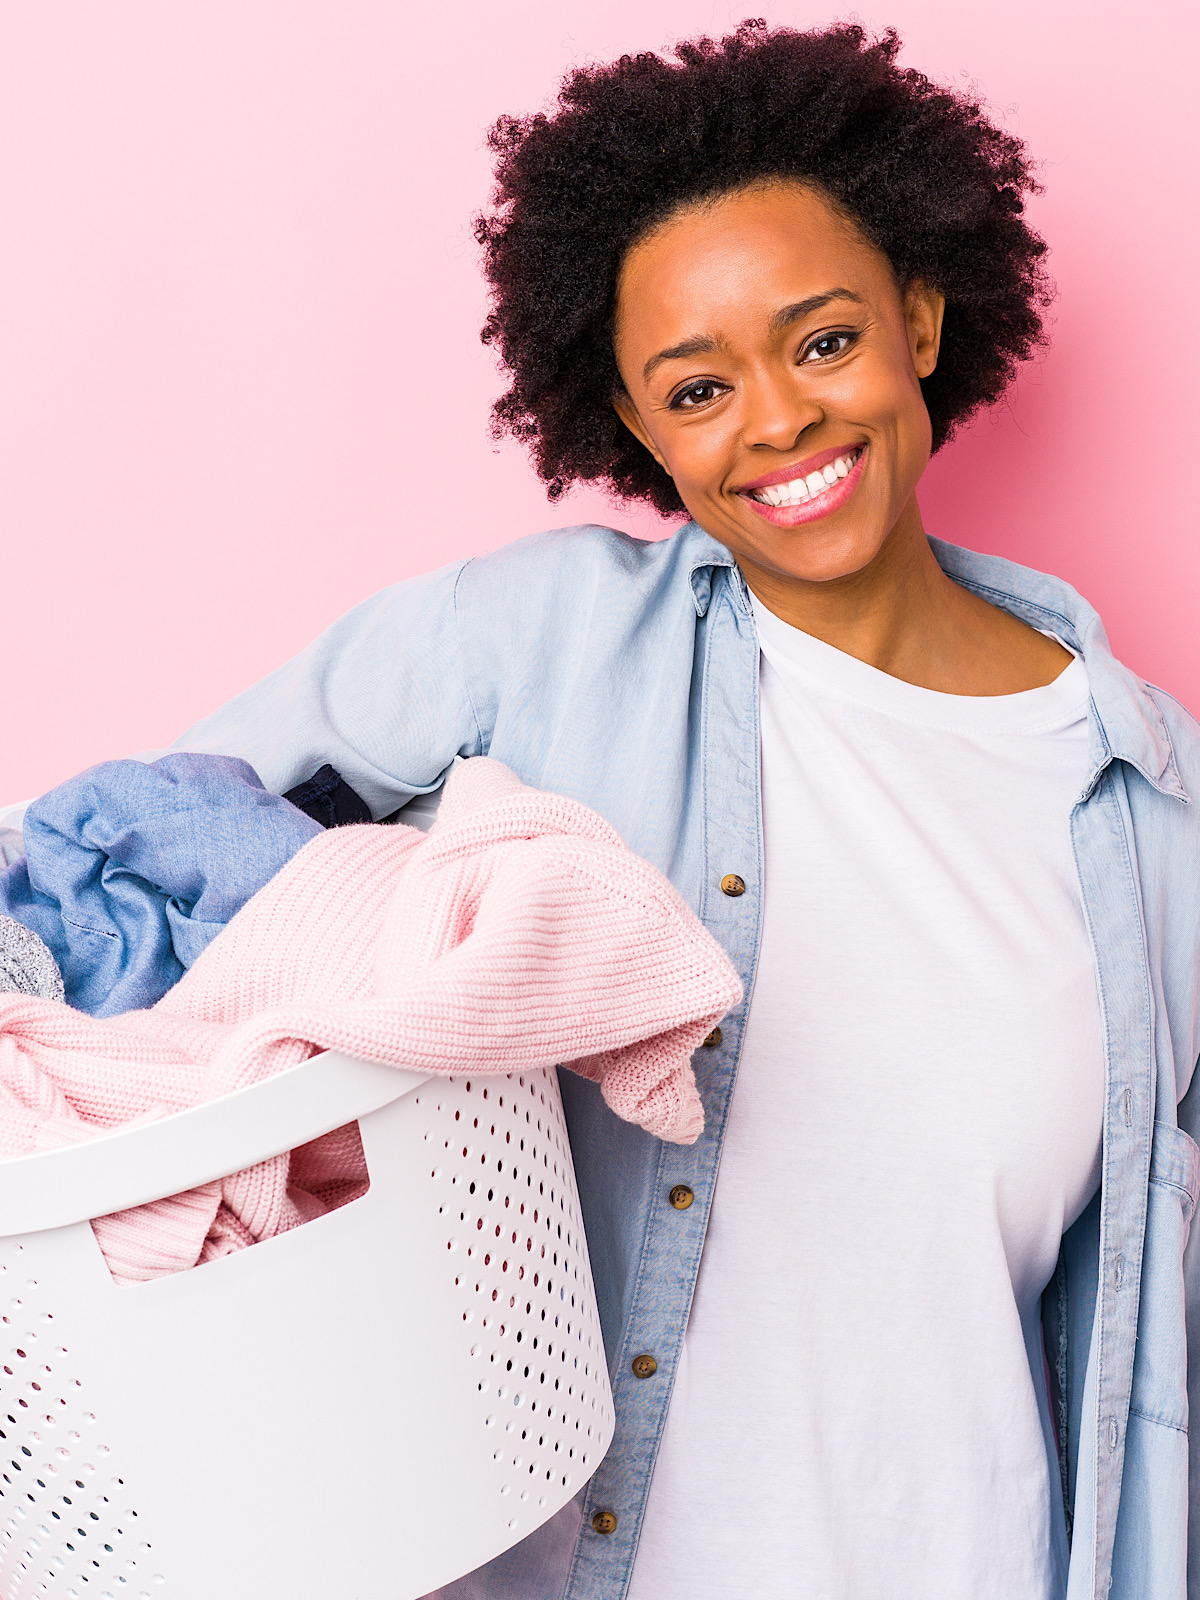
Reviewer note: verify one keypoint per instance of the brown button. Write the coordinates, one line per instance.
(681, 1197)
(731, 884)
(644, 1366)
(713, 1039)
(605, 1522)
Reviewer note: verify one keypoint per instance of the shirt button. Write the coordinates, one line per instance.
(644, 1366)
(605, 1522)
(731, 884)
(713, 1039)
(681, 1197)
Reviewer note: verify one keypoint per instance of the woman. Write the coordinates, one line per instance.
(924, 1335)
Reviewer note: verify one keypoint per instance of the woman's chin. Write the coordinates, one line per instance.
(809, 553)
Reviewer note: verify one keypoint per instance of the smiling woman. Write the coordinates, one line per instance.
(923, 1337)
(797, 256)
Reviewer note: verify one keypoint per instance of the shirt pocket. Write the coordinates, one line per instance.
(1175, 1164)
(1160, 1364)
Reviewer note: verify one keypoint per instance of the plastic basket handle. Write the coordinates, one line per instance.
(134, 1165)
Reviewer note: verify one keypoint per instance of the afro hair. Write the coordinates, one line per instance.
(929, 180)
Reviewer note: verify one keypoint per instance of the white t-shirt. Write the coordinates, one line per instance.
(860, 1410)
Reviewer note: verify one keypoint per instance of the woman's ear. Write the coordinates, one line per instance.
(628, 413)
(924, 308)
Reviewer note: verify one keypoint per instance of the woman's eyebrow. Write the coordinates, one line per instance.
(699, 345)
(803, 308)
(702, 344)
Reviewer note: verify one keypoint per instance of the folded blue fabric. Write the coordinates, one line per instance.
(131, 870)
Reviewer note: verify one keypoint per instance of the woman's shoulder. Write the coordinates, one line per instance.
(543, 577)
(545, 584)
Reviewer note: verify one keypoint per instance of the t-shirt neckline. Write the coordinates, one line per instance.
(1053, 705)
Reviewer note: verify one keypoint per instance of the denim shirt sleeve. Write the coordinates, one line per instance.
(381, 695)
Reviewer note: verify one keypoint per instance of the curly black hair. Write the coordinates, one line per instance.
(928, 179)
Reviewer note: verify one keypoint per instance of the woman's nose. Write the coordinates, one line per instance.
(776, 412)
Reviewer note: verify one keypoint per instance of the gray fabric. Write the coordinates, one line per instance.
(26, 966)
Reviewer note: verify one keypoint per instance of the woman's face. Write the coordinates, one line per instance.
(772, 365)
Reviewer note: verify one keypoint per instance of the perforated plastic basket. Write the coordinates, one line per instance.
(361, 1409)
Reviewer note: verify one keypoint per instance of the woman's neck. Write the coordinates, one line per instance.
(903, 615)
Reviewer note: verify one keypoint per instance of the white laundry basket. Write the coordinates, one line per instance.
(361, 1409)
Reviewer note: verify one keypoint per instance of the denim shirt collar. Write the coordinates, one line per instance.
(1125, 725)
(708, 557)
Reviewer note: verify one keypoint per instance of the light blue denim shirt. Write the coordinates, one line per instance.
(626, 674)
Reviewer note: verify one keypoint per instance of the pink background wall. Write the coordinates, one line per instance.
(240, 379)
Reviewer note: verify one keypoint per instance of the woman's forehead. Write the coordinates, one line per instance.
(752, 254)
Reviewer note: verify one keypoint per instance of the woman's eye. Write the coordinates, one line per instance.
(696, 394)
(829, 344)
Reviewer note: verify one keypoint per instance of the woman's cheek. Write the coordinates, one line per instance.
(689, 463)
(710, 460)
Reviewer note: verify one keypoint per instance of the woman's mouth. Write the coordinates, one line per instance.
(814, 494)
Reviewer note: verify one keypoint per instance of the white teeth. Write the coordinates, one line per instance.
(784, 494)
(802, 489)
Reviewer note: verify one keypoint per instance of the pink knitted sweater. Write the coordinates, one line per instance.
(518, 933)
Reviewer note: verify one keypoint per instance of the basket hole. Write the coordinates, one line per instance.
(323, 1176)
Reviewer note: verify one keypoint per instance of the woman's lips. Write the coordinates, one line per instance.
(828, 499)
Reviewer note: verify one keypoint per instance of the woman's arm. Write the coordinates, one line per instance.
(382, 695)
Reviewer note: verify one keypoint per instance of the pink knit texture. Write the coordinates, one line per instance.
(518, 933)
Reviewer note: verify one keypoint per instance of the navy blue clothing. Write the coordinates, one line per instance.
(327, 798)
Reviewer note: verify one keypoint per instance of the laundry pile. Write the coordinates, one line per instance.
(518, 933)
